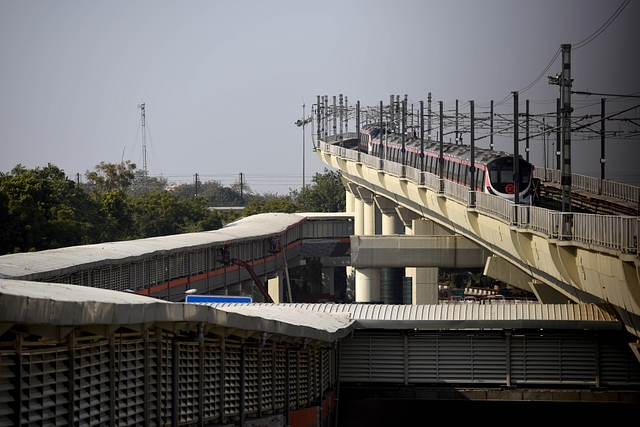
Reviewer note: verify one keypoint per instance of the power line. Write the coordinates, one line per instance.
(604, 26)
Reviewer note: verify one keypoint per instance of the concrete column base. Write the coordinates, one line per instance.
(351, 284)
(328, 280)
(367, 285)
(425, 285)
(275, 287)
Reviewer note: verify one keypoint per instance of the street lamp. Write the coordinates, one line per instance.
(301, 123)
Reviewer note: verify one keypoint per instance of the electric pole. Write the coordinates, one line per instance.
(144, 140)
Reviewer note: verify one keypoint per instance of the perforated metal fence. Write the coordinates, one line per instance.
(126, 379)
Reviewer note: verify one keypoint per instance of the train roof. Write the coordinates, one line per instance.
(459, 151)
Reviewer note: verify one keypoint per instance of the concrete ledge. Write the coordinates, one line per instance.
(416, 251)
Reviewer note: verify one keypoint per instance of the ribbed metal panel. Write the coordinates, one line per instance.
(164, 378)
(7, 388)
(91, 383)
(252, 382)
(457, 358)
(618, 365)
(303, 378)
(553, 359)
(189, 381)
(279, 386)
(211, 380)
(293, 380)
(314, 372)
(129, 365)
(266, 371)
(328, 374)
(373, 358)
(44, 382)
(231, 380)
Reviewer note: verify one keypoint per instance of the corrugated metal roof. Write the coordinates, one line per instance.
(28, 265)
(473, 316)
(68, 305)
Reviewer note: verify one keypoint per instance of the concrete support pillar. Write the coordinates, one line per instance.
(351, 283)
(275, 287)
(367, 285)
(369, 218)
(424, 285)
(350, 201)
(358, 217)
(327, 280)
(367, 280)
(424, 281)
(406, 216)
(391, 223)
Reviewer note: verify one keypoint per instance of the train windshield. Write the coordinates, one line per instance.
(501, 173)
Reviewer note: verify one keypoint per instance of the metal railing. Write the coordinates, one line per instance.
(617, 190)
(394, 168)
(618, 233)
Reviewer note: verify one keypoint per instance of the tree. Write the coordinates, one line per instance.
(142, 183)
(281, 204)
(326, 194)
(161, 213)
(41, 209)
(111, 177)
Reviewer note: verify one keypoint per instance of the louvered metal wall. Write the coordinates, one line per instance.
(126, 380)
(487, 357)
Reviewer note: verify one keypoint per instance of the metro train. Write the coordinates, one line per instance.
(494, 169)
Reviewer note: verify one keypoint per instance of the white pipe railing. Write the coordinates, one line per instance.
(619, 233)
(617, 190)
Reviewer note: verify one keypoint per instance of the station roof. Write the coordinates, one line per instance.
(35, 303)
(472, 316)
(55, 262)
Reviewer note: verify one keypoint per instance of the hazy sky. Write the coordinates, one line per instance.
(224, 81)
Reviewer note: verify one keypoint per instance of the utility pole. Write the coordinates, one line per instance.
(196, 184)
(404, 132)
(304, 120)
(516, 152)
(318, 116)
(491, 127)
(429, 116)
(144, 140)
(558, 133)
(241, 184)
(603, 159)
(334, 115)
(441, 157)
(457, 140)
(358, 124)
(422, 140)
(472, 168)
(526, 149)
(346, 115)
(566, 134)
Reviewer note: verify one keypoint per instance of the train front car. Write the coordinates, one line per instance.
(501, 181)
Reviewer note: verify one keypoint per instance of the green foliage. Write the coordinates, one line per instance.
(111, 177)
(280, 204)
(142, 184)
(213, 192)
(41, 209)
(160, 213)
(327, 194)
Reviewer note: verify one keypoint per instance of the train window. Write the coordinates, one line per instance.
(493, 175)
(506, 175)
